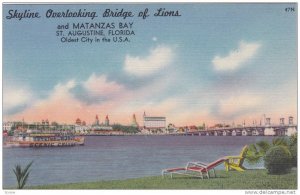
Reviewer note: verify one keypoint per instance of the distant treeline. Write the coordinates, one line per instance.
(126, 129)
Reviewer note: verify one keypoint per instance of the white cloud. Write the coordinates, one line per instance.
(15, 96)
(60, 105)
(60, 93)
(63, 88)
(154, 39)
(240, 103)
(236, 58)
(99, 85)
(158, 58)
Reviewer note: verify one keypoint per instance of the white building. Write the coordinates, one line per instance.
(81, 128)
(153, 122)
(7, 126)
(98, 126)
(101, 127)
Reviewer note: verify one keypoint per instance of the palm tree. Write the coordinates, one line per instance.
(293, 149)
(257, 151)
(22, 175)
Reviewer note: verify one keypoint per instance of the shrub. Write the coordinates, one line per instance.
(278, 160)
(293, 139)
(293, 150)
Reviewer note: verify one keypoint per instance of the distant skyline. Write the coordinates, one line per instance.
(215, 63)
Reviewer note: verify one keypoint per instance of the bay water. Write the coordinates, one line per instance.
(119, 157)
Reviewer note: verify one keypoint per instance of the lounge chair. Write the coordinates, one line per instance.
(236, 162)
(195, 169)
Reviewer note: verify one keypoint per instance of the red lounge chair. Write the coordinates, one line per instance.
(195, 169)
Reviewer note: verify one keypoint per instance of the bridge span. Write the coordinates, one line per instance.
(265, 130)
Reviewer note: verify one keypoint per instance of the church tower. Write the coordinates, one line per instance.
(106, 123)
(134, 123)
(97, 120)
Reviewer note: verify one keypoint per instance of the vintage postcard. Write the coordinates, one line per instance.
(150, 96)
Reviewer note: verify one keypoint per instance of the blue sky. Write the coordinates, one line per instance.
(215, 63)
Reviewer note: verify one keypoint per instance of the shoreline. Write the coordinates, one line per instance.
(190, 135)
(250, 179)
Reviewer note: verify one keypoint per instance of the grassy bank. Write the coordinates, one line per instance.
(250, 179)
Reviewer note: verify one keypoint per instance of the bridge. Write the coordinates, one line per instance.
(262, 130)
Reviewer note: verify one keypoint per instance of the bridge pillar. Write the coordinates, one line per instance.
(281, 121)
(226, 133)
(291, 130)
(291, 120)
(233, 133)
(280, 131)
(246, 132)
(268, 121)
(255, 132)
(269, 131)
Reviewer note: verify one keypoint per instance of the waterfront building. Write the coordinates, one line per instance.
(101, 127)
(154, 122)
(7, 126)
(145, 131)
(78, 121)
(81, 129)
(98, 128)
(192, 128)
(45, 122)
(181, 130)
(171, 128)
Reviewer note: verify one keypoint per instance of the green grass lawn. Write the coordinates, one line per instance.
(250, 179)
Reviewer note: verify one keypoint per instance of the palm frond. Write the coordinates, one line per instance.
(22, 175)
(27, 167)
(253, 159)
(280, 141)
(252, 148)
(23, 183)
(253, 155)
(263, 146)
(18, 173)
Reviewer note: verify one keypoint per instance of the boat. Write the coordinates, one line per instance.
(40, 138)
